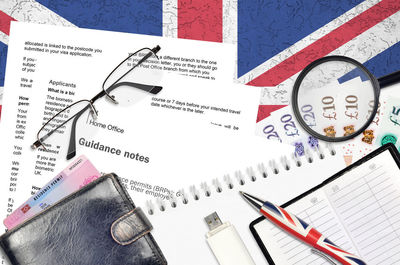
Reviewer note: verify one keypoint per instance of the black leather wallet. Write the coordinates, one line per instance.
(98, 224)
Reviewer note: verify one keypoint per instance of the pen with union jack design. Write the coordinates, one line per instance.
(301, 230)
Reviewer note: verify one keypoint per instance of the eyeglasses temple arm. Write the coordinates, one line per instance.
(72, 139)
(156, 49)
(41, 139)
(147, 88)
(44, 137)
(153, 51)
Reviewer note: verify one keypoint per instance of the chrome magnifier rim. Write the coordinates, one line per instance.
(303, 74)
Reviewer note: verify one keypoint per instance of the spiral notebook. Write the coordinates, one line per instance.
(179, 225)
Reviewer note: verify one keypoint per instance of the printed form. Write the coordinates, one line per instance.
(192, 130)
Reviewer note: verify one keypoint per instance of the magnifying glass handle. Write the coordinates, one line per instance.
(389, 79)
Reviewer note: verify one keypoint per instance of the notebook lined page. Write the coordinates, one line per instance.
(367, 201)
(316, 211)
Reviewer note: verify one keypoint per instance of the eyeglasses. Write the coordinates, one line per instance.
(133, 79)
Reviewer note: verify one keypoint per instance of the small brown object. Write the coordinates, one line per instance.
(348, 130)
(330, 131)
(368, 136)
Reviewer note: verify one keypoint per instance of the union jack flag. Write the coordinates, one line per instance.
(275, 39)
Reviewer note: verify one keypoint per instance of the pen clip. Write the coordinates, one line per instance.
(323, 255)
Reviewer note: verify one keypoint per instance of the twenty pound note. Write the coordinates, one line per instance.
(77, 175)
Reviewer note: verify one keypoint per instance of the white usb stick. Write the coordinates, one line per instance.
(226, 243)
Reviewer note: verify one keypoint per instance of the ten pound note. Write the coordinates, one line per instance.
(77, 175)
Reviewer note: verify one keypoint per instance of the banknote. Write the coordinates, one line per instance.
(339, 108)
(354, 105)
(389, 131)
(291, 131)
(266, 128)
(283, 127)
(336, 110)
(78, 174)
(366, 142)
(321, 103)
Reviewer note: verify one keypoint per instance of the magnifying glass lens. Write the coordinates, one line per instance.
(336, 99)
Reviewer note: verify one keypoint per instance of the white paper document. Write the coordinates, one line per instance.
(196, 128)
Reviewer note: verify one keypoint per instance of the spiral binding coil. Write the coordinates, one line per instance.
(240, 179)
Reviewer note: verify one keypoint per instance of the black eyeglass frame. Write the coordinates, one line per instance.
(104, 92)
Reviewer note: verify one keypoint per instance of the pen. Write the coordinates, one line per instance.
(301, 230)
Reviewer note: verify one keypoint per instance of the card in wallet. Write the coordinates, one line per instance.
(99, 224)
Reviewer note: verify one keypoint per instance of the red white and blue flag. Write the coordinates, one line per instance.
(275, 39)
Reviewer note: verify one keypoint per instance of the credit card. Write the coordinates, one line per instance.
(77, 175)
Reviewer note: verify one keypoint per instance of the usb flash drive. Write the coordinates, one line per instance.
(226, 243)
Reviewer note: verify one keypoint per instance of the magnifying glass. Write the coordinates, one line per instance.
(335, 98)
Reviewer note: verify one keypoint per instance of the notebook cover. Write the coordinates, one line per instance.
(252, 225)
(99, 224)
